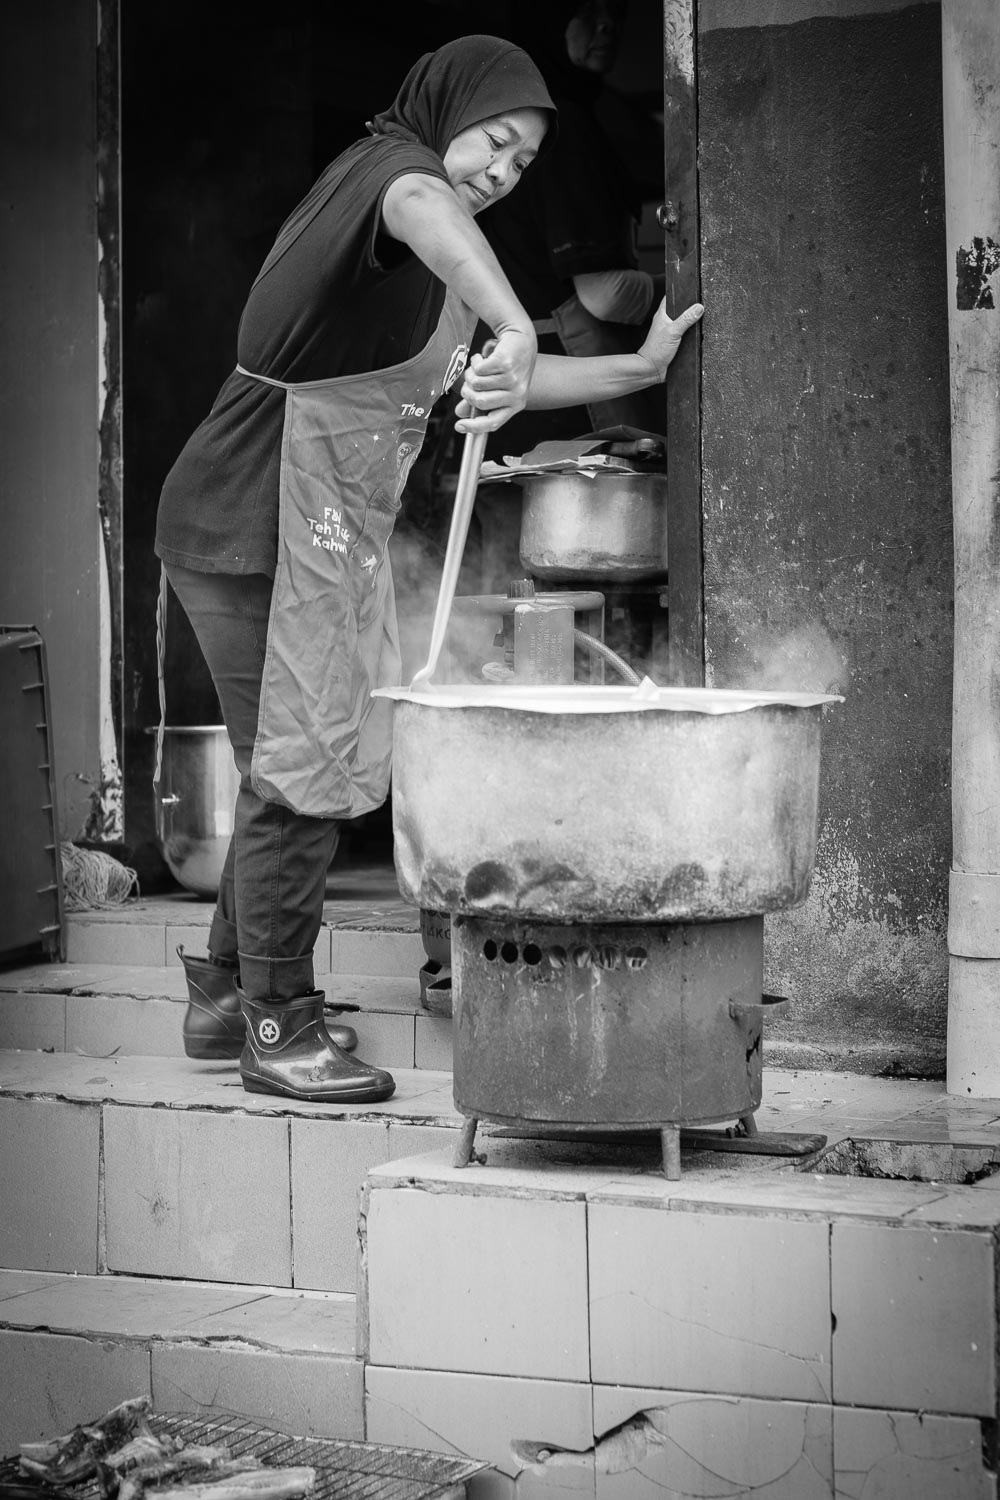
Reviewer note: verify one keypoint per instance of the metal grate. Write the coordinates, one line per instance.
(344, 1470)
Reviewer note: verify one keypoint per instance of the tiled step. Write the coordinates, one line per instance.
(79, 1344)
(162, 1167)
(100, 1009)
(592, 1329)
(356, 937)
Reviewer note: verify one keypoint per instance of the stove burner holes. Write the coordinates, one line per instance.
(583, 956)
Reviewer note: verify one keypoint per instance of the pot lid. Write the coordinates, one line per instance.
(583, 698)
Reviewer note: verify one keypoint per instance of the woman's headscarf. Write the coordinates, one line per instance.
(464, 81)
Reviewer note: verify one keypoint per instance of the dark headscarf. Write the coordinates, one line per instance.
(464, 81)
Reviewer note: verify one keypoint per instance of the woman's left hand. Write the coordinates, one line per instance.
(665, 333)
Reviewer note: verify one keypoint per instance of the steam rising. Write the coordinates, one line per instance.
(801, 660)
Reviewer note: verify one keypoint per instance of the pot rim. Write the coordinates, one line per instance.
(583, 698)
(187, 729)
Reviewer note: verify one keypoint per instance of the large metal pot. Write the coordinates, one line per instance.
(604, 525)
(608, 804)
(196, 803)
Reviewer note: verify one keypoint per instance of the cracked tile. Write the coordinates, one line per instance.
(688, 1446)
(309, 1396)
(695, 1301)
(901, 1456)
(537, 1434)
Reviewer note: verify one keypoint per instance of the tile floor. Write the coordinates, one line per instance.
(562, 1311)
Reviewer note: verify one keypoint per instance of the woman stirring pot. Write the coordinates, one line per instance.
(273, 522)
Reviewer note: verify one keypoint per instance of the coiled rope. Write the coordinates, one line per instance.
(93, 879)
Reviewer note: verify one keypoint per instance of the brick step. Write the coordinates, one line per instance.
(137, 1010)
(82, 1343)
(163, 1167)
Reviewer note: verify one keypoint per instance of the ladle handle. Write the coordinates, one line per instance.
(461, 514)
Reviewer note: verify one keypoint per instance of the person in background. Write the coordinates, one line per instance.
(567, 242)
(274, 521)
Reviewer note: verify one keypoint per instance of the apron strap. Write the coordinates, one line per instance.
(264, 379)
(161, 687)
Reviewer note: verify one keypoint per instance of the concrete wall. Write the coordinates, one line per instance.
(827, 500)
(52, 553)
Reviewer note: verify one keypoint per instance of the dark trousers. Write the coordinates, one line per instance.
(270, 904)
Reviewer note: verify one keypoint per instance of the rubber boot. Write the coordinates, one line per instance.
(214, 1027)
(289, 1051)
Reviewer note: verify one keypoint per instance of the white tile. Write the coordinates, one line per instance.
(197, 1194)
(61, 1381)
(710, 1302)
(32, 1021)
(49, 1169)
(126, 942)
(330, 1161)
(385, 1040)
(434, 1045)
(385, 953)
(915, 1317)
(101, 1026)
(492, 1285)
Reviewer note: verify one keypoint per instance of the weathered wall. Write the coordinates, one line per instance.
(50, 565)
(827, 503)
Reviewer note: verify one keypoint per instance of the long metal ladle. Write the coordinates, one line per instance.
(465, 495)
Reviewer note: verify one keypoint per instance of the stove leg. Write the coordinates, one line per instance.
(670, 1142)
(464, 1152)
(748, 1125)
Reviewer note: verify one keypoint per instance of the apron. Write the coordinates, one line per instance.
(323, 745)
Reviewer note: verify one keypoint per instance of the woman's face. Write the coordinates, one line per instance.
(485, 161)
(594, 34)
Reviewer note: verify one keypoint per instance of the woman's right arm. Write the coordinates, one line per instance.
(424, 213)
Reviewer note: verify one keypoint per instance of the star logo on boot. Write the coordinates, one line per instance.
(269, 1031)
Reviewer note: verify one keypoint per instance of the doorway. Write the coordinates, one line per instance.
(228, 113)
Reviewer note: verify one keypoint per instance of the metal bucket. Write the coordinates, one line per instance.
(606, 804)
(605, 525)
(196, 803)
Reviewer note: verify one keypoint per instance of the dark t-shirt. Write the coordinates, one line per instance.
(336, 297)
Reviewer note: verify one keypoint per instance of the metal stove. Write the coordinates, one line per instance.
(622, 1026)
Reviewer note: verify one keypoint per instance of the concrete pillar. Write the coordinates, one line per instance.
(971, 74)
